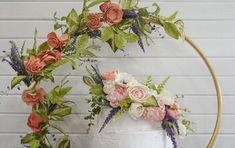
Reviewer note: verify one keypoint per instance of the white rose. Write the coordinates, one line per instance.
(136, 110)
(109, 86)
(125, 78)
(166, 97)
(182, 130)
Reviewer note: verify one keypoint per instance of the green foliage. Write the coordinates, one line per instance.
(28, 138)
(149, 83)
(61, 112)
(56, 95)
(161, 86)
(128, 4)
(107, 33)
(124, 105)
(16, 80)
(64, 142)
(95, 2)
(88, 81)
(150, 102)
(72, 18)
(42, 47)
(171, 30)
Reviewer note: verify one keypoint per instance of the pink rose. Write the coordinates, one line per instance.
(33, 96)
(93, 21)
(119, 94)
(112, 13)
(154, 114)
(109, 75)
(34, 122)
(57, 42)
(49, 56)
(138, 94)
(33, 65)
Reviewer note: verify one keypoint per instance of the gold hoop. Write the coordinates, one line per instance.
(217, 88)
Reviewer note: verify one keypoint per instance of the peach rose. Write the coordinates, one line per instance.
(34, 122)
(139, 94)
(33, 65)
(93, 21)
(54, 42)
(49, 56)
(33, 96)
(112, 13)
(109, 75)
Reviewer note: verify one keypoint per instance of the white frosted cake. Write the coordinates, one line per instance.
(129, 133)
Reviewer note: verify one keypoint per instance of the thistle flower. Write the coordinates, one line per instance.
(135, 29)
(130, 14)
(111, 114)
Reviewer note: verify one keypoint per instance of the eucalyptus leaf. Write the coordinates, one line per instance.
(16, 80)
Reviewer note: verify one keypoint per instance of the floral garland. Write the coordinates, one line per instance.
(147, 101)
(115, 24)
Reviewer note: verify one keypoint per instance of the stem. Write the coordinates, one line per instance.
(48, 142)
(58, 129)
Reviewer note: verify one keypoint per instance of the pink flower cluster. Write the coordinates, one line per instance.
(120, 86)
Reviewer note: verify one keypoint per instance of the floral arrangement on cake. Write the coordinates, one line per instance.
(114, 24)
(122, 93)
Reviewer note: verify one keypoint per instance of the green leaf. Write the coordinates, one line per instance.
(97, 90)
(16, 80)
(34, 144)
(150, 102)
(65, 90)
(88, 81)
(82, 41)
(172, 16)
(71, 19)
(29, 137)
(128, 4)
(107, 33)
(61, 112)
(171, 30)
(42, 47)
(64, 142)
(158, 9)
(119, 41)
(96, 2)
(56, 96)
(131, 37)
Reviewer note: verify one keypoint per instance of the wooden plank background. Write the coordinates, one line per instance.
(211, 24)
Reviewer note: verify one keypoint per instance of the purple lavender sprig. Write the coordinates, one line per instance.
(111, 114)
(97, 75)
(130, 14)
(135, 29)
(169, 129)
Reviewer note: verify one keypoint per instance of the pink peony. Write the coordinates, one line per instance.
(93, 21)
(119, 94)
(32, 97)
(138, 94)
(109, 75)
(57, 42)
(112, 13)
(49, 56)
(33, 65)
(154, 114)
(34, 122)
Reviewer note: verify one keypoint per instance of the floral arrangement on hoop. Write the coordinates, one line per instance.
(115, 24)
(122, 93)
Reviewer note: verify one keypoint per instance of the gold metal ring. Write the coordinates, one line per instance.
(217, 88)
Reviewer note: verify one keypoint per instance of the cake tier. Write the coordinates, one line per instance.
(129, 133)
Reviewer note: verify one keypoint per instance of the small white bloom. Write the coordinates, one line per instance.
(127, 79)
(136, 110)
(109, 86)
(182, 130)
(166, 97)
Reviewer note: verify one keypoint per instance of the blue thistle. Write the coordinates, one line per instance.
(130, 14)
(111, 114)
(135, 29)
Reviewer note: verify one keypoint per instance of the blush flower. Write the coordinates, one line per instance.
(138, 93)
(119, 94)
(109, 86)
(34, 122)
(136, 110)
(33, 65)
(33, 96)
(112, 13)
(174, 113)
(49, 56)
(93, 21)
(154, 114)
(54, 41)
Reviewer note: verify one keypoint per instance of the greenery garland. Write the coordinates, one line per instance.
(115, 24)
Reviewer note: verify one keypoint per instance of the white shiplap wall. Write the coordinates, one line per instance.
(211, 24)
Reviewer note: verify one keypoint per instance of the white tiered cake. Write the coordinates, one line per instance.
(129, 133)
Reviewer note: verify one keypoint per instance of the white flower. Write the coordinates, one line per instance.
(182, 130)
(166, 97)
(136, 110)
(125, 78)
(109, 86)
